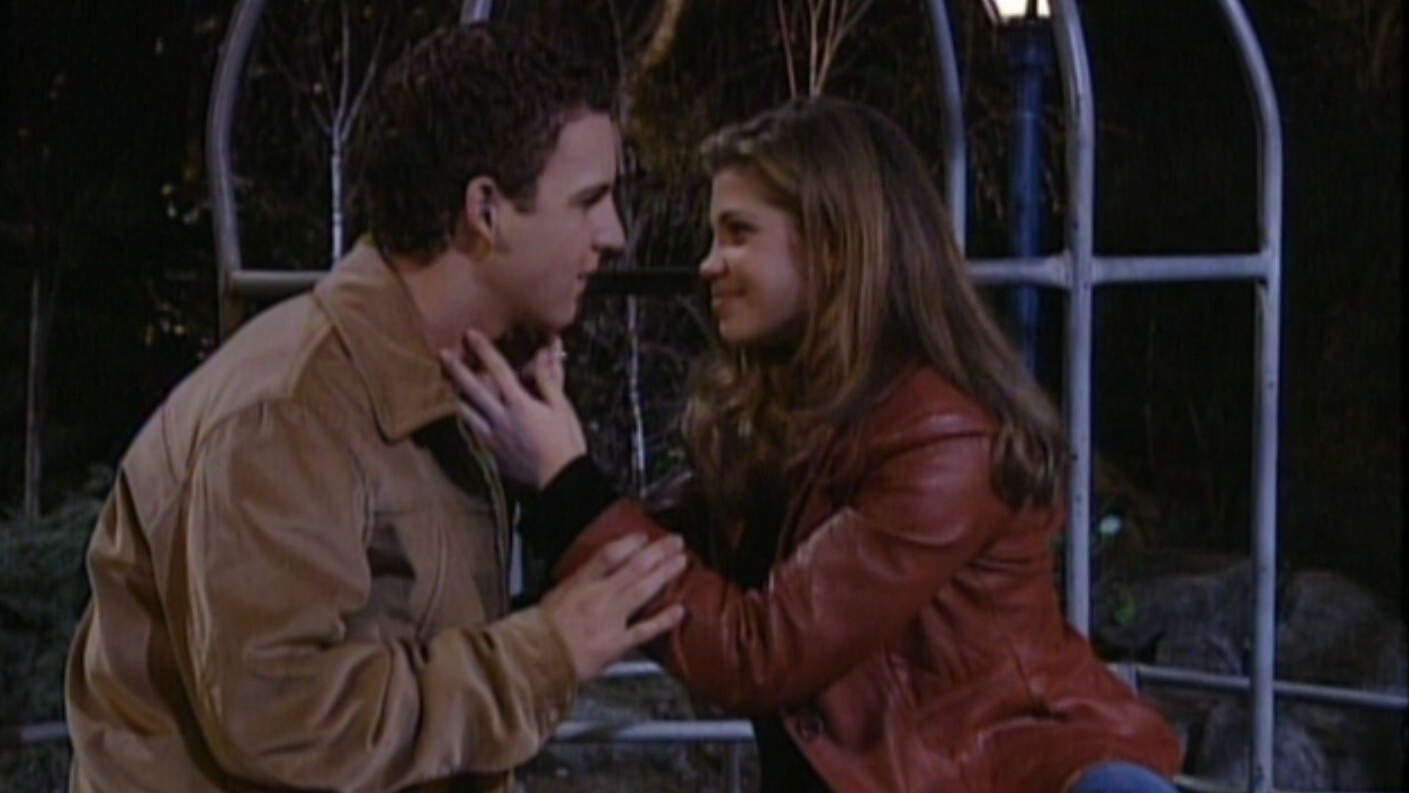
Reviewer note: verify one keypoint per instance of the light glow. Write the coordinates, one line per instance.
(1002, 11)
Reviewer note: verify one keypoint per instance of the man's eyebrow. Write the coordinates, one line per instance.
(592, 193)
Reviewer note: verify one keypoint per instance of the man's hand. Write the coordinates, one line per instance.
(592, 608)
(531, 437)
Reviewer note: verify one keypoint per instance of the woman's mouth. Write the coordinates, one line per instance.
(718, 299)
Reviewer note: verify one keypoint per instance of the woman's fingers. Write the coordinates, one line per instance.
(485, 397)
(496, 367)
(532, 435)
(555, 373)
(548, 375)
(477, 423)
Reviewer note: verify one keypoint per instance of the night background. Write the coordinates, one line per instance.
(108, 277)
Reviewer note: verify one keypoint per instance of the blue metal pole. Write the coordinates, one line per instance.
(1030, 55)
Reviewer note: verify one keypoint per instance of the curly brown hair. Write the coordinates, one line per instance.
(478, 100)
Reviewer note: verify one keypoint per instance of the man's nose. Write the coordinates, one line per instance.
(610, 234)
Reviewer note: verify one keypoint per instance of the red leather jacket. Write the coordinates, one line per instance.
(909, 633)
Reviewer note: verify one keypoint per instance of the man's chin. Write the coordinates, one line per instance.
(557, 325)
(547, 324)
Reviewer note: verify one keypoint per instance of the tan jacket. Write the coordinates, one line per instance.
(909, 633)
(299, 580)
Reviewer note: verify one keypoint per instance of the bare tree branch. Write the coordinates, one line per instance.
(662, 37)
(345, 83)
(785, 31)
(324, 77)
(813, 60)
(368, 78)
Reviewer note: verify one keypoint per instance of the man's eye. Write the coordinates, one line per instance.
(593, 199)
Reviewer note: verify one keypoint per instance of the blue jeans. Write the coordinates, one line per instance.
(1121, 778)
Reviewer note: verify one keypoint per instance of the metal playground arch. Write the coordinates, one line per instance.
(1077, 271)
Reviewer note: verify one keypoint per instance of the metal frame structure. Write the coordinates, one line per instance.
(1077, 270)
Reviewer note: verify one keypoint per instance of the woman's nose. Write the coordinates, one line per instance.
(712, 265)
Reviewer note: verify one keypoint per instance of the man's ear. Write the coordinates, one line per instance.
(483, 202)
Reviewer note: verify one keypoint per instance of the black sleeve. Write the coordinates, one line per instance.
(553, 518)
(678, 504)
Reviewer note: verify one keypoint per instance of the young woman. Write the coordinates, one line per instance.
(882, 478)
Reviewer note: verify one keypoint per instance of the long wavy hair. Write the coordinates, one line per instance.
(885, 284)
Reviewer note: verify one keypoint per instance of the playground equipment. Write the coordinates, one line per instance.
(1076, 271)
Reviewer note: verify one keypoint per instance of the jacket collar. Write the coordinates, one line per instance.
(373, 316)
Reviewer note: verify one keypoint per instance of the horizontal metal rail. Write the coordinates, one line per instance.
(1139, 674)
(271, 284)
(708, 731)
(622, 669)
(732, 730)
(737, 731)
(268, 285)
(24, 735)
(1206, 267)
(1045, 271)
(1050, 271)
(1285, 689)
(1195, 784)
(650, 281)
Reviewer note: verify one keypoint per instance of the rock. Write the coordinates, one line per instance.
(1298, 761)
(1330, 631)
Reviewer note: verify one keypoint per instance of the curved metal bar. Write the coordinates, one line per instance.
(475, 11)
(219, 120)
(1080, 135)
(952, 119)
(1265, 408)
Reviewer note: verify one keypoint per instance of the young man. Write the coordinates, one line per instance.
(299, 580)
